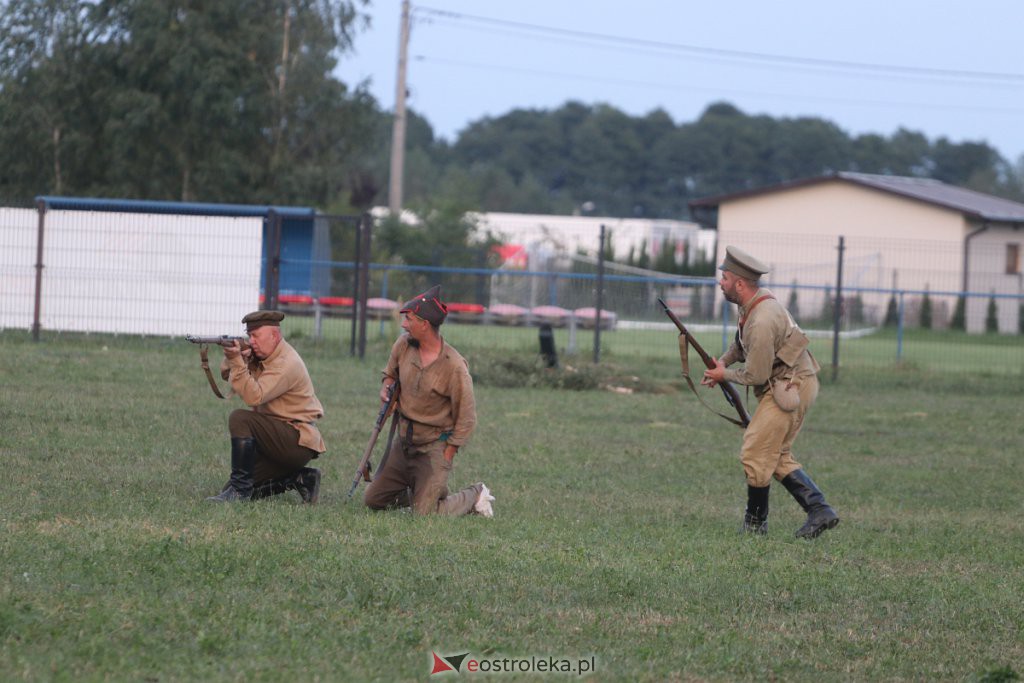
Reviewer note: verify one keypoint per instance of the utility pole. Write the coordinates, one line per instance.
(398, 130)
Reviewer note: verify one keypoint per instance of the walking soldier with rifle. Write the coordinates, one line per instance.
(782, 371)
(272, 443)
(436, 416)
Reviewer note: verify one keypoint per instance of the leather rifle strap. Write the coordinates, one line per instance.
(205, 364)
(684, 356)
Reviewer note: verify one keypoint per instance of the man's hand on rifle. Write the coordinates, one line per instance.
(712, 376)
(235, 349)
(384, 389)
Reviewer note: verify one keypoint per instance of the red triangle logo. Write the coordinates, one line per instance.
(440, 665)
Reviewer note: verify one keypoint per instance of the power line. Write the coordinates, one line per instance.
(860, 101)
(925, 72)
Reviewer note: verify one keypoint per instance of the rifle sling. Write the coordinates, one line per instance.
(387, 446)
(205, 364)
(684, 356)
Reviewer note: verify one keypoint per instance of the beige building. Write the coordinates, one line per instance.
(912, 234)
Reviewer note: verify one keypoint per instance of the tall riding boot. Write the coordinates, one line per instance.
(243, 462)
(306, 482)
(820, 516)
(271, 487)
(755, 519)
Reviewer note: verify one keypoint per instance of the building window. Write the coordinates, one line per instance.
(1012, 259)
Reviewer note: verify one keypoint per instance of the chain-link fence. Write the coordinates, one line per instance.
(881, 303)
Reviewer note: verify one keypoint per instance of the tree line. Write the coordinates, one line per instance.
(238, 101)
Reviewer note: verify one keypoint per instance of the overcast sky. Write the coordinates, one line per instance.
(943, 68)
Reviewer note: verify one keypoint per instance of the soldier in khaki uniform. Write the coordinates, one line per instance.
(778, 364)
(437, 414)
(272, 443)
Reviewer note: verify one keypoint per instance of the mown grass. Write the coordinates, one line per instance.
(614, 536)
(942, 351)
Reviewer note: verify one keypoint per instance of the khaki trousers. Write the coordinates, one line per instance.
(768, 439)
(278, 453)
(424, 471)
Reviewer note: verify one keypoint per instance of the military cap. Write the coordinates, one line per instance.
(260, 318)
(743, 264)
(428, 306)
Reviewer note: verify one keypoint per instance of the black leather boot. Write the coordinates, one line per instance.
(271, 487)
(820, 516)
(755, 519)
(307, 483)
(243, 462)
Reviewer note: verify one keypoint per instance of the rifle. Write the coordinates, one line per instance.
(363, 468)
(731, 395)
(221, 340)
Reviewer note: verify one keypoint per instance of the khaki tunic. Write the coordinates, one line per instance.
(772, 346)
(437, 399)
(279, 386)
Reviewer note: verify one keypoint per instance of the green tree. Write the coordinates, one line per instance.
(959, 319)
(926, 311)
(992, 316)
(665, 262)
(223, 101)
(855, 309)
(828, 307)
(892, 314)
(793, 305)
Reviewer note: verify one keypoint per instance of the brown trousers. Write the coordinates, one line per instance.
(424, 470)
(768, 439)
(278, 453)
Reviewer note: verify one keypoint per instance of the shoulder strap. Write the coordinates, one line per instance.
(750, 310)
(205, 365)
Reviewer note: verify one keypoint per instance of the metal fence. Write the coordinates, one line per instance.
(865, 304)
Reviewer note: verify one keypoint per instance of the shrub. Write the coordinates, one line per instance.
(992, 316)
(959, 319)
(891, 313)
(792, 305)
(926, 312)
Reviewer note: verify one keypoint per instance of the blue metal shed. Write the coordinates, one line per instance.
(303, 238)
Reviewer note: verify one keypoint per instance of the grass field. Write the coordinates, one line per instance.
(941, 351)
(614, 542)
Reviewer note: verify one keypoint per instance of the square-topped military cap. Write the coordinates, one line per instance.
(428, 306)
(743, 264)
(258, 319)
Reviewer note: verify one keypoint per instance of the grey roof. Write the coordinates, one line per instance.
(936, 192)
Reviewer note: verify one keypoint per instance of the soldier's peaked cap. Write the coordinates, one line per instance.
(428, 306)
(260, 318)
(743, 264)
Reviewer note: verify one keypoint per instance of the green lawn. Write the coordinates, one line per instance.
(928, 350)
(615, 535)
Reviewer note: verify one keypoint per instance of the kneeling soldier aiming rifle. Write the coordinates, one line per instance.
(272, 443)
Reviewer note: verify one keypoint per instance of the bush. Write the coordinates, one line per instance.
(926, 312)
(855, 309)
(892, 314)
(792, 306)
(828, 309)
(959, 319)
(992, 316)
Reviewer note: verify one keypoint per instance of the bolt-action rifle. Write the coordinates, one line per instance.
(364, 466)
(731, 395)
(220, 340)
